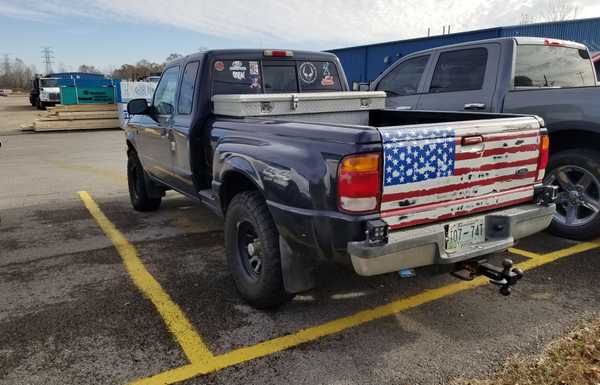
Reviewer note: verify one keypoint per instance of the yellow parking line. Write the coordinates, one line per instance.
(176, 321)
(553, 256)
(311, 334)
(523, 253)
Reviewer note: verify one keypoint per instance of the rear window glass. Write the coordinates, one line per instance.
(236, 77)
(550, 66)
(280, 78)
(318, 76)
(272, 76)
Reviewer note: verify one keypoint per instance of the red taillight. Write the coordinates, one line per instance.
(543, 156)
(359, 183)
(278, 53)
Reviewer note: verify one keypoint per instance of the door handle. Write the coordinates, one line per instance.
(403, 108)
(474, 106)
(472, 144)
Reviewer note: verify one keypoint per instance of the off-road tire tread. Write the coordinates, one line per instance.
(144, 202)
(269, 291)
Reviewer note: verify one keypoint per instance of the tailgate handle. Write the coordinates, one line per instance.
(472, 140)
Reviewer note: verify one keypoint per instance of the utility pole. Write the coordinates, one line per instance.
(47, 56)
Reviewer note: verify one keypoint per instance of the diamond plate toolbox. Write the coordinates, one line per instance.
(242, 105)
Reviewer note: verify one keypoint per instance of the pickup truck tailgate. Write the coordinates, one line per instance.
(441, 171)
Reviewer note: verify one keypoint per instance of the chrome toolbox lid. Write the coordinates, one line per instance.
(297, 103)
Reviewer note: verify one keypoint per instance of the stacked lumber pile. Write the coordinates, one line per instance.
(76, 117)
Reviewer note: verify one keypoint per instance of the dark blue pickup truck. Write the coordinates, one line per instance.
(304, 171)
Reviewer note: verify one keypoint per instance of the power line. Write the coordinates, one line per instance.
(47, 56)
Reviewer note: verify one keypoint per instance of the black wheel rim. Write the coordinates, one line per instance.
(249, 249)
(578, 200)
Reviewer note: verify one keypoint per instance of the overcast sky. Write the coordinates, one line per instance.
(108, 33)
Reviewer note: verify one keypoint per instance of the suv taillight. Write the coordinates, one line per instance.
(359, 183)
(543, 156)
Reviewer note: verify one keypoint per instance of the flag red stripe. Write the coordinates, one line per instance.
(498, 137)
(496, 151)
(458, 186)
(496, 166)
(461, 213)
(436, 205)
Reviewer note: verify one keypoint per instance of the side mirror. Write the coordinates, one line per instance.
(137, 107)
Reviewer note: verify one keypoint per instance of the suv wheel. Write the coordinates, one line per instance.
(252, 246)
(577, 174)
(136, 180)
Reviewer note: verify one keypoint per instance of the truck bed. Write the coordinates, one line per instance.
(435, 165)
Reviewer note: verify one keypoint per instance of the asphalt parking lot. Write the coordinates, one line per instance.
(96, 293)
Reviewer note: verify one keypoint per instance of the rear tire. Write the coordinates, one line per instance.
(577, 174)
(136, 179)
(252, 246)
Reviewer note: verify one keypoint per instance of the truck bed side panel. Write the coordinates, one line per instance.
(561, 108)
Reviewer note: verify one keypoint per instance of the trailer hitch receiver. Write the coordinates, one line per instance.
(504, 276)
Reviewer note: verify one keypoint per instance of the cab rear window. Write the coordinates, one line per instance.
(553, 66)
(272, 76)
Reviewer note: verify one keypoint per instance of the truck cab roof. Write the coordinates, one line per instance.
(521, 40)
(253, 53)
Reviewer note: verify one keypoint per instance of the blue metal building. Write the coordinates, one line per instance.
(364, 63)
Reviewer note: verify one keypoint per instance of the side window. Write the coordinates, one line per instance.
(462, 70)
(405, 78)
(186, 94)
(164, 97)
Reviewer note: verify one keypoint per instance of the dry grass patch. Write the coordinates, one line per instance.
(571, 360)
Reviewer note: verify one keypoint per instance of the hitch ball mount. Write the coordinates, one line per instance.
(504, 276)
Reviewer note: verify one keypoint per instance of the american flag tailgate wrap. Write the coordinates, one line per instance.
(429, 175)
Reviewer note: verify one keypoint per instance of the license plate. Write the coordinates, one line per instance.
(465, 233)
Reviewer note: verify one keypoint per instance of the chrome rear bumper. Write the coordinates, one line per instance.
(425, 245)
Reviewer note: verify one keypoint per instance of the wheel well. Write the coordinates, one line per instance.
(234, 183)
(574, 139)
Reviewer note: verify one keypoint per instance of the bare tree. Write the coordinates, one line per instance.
(15, 74)
(558, 10)
(552, 11)
(173, 56)
(89, 69)
(62, 67)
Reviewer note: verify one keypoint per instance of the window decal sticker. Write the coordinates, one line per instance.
(308, 72)
(219, 66)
